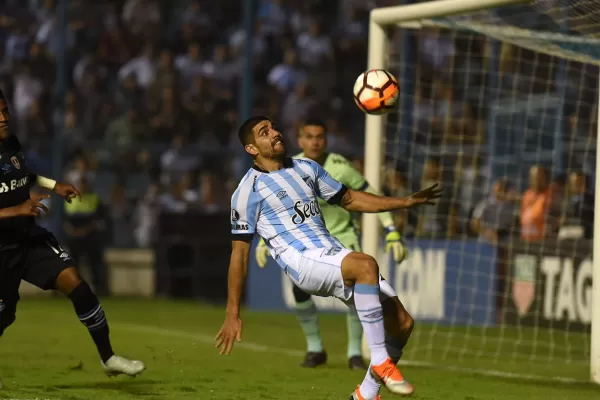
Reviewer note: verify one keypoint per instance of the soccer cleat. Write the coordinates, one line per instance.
(357, 363)
(389, 376)
(314, 359)
(357, 396)
(117, 365)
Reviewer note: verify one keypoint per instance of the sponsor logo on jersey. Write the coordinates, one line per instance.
(13, 184)
(15, 161)
(6, 168)
(281, 194)
(239, 227)
(305, 211)
(235, 216)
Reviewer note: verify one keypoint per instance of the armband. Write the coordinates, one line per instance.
(46, 183)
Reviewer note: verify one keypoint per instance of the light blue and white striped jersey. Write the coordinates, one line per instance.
(282, 206)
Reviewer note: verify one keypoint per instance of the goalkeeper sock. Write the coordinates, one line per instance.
(306, 312)
(91, 314)
(369, 388)
(370, 312)
(355, 332)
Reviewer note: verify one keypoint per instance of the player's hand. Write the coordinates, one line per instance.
(425, 196)
(229, 333)
(393, 244)
(67, 191)
(33, 206)
(261, 253)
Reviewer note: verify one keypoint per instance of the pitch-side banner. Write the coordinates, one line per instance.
(550, 285)
(443, 281)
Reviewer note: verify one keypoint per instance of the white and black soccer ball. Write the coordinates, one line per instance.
(376, 91)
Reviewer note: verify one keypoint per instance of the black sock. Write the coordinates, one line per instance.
(91, 314)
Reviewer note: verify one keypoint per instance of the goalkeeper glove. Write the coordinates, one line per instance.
(393, 244)
(261, 253)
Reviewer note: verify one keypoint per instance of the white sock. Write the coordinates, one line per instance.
(369, 388)
(370, 313)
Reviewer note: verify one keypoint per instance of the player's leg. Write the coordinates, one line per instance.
(362, 271)
(398, 327)
(306, 312)
(12, 269)
(51, 267)
(351, 241)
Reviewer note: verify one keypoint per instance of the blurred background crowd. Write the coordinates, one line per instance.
(152, 104)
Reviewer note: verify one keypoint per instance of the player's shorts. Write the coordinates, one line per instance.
(38, 260)
(350, 240)
(319, 272)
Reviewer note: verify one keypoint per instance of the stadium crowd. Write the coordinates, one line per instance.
(151, 102)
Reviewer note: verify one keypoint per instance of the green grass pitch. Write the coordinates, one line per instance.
(47, 354)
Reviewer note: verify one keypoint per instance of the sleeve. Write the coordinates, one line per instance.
(245, 209)
(350, 177)
(328, 188)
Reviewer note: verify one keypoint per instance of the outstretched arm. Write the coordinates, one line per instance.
(364, 202)
(238, 271)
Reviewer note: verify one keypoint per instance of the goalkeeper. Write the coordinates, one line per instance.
(340, 223)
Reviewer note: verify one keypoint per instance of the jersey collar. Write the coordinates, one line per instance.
(287, 163)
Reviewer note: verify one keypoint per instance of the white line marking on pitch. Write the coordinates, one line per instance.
(261, 348)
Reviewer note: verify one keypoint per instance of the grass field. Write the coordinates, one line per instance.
(46, 354)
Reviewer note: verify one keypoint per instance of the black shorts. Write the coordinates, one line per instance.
(38, 260)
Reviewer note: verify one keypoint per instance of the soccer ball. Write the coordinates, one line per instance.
(376, 91)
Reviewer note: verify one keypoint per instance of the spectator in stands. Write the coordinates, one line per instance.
(579, 215)
(438, 220)
(494, 217)
(534, 205)
(85, 227)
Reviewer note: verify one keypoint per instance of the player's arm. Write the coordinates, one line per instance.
(354, 180)
(353, 200)
(244, 218)
(334, 192)
(64, 190)
(29, 208)
(238, 271)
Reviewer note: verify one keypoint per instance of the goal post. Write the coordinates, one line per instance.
(385, 20)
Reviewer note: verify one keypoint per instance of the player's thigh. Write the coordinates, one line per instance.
(12, 269)
(350, 240)
(47, 259)
(318, 271)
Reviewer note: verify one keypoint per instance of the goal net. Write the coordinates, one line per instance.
(500, 106)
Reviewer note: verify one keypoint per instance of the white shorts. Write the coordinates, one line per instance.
(319, 272)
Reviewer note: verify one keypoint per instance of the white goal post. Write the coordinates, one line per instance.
(381, 20)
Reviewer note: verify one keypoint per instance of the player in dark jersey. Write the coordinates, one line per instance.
(31, 253)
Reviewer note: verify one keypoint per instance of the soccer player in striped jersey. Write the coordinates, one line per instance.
(278, 200)
(341, 225)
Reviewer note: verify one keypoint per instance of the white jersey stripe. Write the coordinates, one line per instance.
(282, 206)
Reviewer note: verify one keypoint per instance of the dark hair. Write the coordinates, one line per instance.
(314, 122)
(245, 133)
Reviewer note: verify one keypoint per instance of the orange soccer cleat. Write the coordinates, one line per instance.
(389, 376)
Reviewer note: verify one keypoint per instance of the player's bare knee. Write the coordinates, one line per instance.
(67, 280)
(407, 323)
(370, 270)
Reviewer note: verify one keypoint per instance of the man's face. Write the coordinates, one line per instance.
(4, 118)
(268, 142)
(312, 141)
